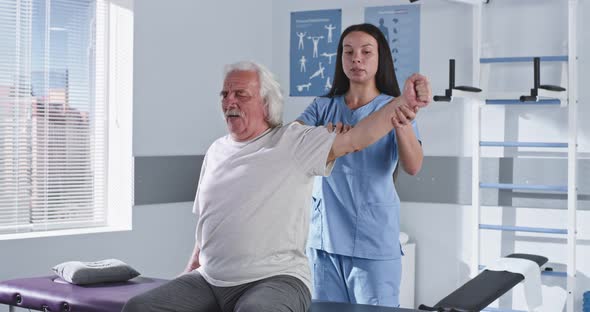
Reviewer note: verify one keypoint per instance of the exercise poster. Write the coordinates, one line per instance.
(314, 42)
(401, 26)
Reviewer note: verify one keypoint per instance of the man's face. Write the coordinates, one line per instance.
(242, 105)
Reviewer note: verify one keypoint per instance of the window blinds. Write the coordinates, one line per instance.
(52, 114)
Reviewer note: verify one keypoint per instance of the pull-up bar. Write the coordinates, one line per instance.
(534, 96)
(449, 92)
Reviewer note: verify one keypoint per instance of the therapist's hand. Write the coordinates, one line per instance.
(339, 127)
(404, 116)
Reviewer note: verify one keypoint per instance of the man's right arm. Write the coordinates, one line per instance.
(193, 262)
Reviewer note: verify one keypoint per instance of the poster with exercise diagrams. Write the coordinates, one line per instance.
(314, 41)
(401, 26)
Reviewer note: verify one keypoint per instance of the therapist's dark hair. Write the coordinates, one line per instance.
(384, 78)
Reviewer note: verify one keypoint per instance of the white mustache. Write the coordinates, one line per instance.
(233, 113)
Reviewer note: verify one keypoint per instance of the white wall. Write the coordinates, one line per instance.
(159, 245)
(180, 50)
(524, 28)
(181, 47)
(538, 27)
(444, 250)
(511, 28)
(514, 28)
(443, 36)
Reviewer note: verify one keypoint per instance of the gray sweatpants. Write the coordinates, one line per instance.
(192, 293)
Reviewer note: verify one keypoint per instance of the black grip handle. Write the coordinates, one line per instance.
(426, 308)
(528, 98)
(451, 74)
(536, 72)
(552, 88)
(441, 98)
(468, 89)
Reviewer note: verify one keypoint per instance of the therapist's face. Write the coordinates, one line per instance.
(243, 107)
(360, 57)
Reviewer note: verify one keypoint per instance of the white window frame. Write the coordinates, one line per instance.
(118, 87)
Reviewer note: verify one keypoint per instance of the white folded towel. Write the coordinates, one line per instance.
(403, 238)
(532, 278)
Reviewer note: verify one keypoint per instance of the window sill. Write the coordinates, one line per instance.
(102, 229)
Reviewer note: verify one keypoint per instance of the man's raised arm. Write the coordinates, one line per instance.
(416, 93)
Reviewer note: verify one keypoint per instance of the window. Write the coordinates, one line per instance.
(65, 116)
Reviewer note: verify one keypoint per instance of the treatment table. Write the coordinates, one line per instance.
(50, 293)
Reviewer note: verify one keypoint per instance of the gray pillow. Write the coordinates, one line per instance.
(82, 273)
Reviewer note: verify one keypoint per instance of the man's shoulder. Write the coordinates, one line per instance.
(296, 131)
(295, 127)
(288, 131)
(219, 142)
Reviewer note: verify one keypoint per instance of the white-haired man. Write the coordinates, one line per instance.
(253, 197)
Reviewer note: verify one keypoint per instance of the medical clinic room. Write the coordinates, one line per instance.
(294, 156)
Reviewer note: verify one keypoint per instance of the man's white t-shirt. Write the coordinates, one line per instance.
(253, 204)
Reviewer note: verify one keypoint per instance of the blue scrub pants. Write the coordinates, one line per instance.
(354, 280)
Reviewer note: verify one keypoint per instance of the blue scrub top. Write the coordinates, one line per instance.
(355, 210)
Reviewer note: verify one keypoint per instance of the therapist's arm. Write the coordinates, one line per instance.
(417, 93)
(408, 146)
(410, 150)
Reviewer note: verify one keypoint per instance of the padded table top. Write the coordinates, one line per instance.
(58, 295)
(53, 292)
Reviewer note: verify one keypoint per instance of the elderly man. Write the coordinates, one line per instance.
(253, 199)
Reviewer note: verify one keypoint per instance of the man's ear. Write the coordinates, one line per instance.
(266, 107)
